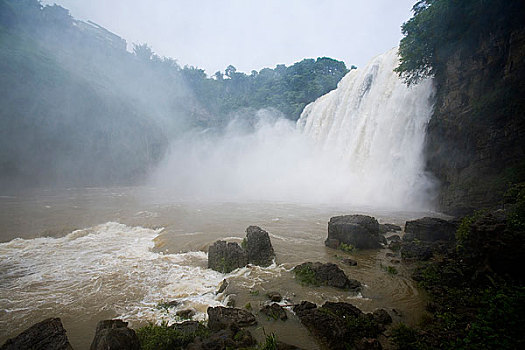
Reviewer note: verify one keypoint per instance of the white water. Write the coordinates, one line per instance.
(360, 144)
(375, 125)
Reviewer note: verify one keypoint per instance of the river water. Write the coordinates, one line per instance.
(96, 253)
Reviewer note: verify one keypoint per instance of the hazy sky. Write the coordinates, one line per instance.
(251, 34)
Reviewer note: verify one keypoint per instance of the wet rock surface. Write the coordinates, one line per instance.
(115, 335)
(226, 256)
(326, 274)
(224, 317)
(274, 311)
(46, 335)
(341, 325)
(259, 247)
(430, 230)
(358, 231)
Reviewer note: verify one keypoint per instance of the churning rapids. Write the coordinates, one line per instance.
(96, 253)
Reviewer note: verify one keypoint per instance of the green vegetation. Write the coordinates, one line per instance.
(286, 89)
(244, 243)
(254, 292)
(164, 337)
(439, 28)
(391, 270)
(248, 306)
(347, 248)
(270, 342)
(477, 291)
(306, 275)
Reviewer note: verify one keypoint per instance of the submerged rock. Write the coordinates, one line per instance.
(224, 317)
(358, 231)
(259, 247)
(46, 335)
(327, 274)
(430, 230)
(115, 335)
(226, 257)
(274, 296)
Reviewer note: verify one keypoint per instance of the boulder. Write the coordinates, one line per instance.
(115, 335)
(226, 257)
(274, 311)
(224, 317)
(430, 230)
(341, 325)
(46, 335)
(359, 231)
(394, 238)
(327, 274)
(259, 247)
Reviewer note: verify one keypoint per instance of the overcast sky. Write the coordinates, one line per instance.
(251, 34)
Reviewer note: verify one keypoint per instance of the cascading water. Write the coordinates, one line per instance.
(375, 125)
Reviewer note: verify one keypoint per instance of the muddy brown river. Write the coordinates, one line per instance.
(96, 253)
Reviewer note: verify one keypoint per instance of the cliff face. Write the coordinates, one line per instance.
(475, 139)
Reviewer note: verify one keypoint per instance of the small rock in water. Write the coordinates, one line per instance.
(186, 314)
(349, 262)
(327, 274)
(223, 286)
(274, 296)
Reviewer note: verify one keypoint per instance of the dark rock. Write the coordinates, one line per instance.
(274, 296)
(222, 317)
(385, 228)
(430, 230)
(186, 314)
(382, 317)
(394, 238)
(341, 325)
(349, 262)
(46, 335)
(114, 335)
(226, 257)
(188, 327)
(284, 346)
(390, 255)
(259, 247)
(230, 338)
(327, 274)
(223, 286)
(274, 311)
(416, 251)
(359, 231)
(368, 344)
(395, 261)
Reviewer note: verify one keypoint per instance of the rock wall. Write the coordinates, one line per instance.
(475, 138)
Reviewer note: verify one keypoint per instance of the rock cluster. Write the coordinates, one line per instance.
(227, 256)
(341, 325)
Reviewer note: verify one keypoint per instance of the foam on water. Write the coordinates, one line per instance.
(107, 267)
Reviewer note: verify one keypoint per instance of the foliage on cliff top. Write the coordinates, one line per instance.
(439, 28)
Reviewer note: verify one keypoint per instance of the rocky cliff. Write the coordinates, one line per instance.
(476, 136)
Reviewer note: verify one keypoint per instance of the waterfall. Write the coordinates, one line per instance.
(375, 126)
